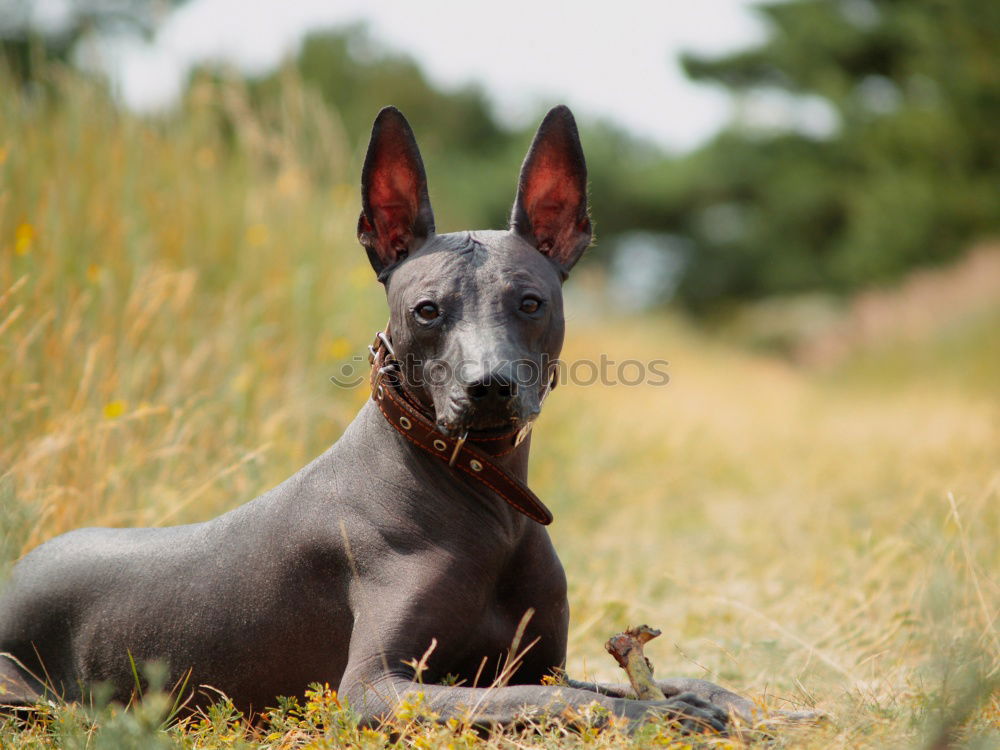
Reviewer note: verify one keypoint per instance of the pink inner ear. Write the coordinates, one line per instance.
(393, 199)
(551, 199)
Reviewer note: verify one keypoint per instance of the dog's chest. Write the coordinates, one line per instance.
(508, 643)
(521, 628)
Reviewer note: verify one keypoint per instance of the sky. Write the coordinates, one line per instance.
(615, 60)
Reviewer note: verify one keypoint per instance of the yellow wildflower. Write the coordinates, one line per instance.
(339, 348)
(114, 409)
(24, 236)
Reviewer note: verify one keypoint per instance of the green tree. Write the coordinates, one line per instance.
(29, 40)
(910, 175)
(464, 147)
(472, 159)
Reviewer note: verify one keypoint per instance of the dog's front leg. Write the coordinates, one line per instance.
(376, 699)
(707, 691)
(730, 702)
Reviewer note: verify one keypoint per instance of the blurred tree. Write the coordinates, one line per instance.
(903, 172)
(33, 33)
(877, 151)
(909, 176)
(472, 158)
(472, 181)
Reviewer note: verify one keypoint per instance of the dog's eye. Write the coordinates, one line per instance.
(427, 311)
(530, 305)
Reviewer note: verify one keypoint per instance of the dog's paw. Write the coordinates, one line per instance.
(689, 712)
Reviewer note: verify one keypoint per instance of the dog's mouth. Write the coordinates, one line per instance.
(460, 416)
(479, 428)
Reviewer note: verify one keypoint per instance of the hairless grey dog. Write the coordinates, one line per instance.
(378, 548)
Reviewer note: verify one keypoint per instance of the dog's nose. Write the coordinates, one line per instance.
(494, 385)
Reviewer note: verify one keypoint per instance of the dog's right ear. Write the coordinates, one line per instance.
(396, 212)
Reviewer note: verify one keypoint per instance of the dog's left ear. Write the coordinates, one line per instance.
(550, 210)
(396, 211)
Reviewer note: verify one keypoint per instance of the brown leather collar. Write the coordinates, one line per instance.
(470, 456)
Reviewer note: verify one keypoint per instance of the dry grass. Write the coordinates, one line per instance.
(829, 540)
(175, 295)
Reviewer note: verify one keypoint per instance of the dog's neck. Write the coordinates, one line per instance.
(425, 489)
(515, 462)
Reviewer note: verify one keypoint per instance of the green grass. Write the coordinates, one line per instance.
(174, 296)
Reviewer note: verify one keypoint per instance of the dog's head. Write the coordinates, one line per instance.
(476, 317)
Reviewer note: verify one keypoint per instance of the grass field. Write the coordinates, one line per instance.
(175, 295)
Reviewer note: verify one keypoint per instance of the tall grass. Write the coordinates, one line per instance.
(175, 294)
(175, 297)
